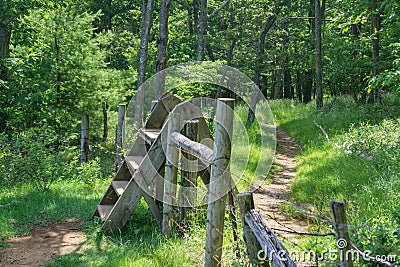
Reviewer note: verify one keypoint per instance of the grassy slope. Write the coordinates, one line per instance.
(370, 188)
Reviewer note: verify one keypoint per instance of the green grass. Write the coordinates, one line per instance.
(367, 180)
(370, 189)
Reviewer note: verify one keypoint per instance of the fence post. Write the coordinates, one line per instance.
(119, 138)
(246, 203)
(219, 179)
(105, 121)
(85, 138)
(187, 194)
(342, 234)
(171, 172)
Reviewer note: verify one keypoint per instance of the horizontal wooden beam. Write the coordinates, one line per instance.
(199, 150)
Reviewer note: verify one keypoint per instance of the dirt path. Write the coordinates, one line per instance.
(43, 244)
(269, 198)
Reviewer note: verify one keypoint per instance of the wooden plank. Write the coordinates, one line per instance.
(160, 111)
(187, 192)
(149, 135)
(124, 207)
(153, 208)
(133, 162)
(171, 173)
(119, 186)
(119, 139)
(123, 173)
(146, 172)
(104, 210)
(170, 101)
(271, 245)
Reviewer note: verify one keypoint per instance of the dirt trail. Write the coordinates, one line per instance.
(269, 198)
(43, 244)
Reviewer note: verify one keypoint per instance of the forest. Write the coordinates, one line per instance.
(329, 69)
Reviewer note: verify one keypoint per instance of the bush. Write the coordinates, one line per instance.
(36, 158)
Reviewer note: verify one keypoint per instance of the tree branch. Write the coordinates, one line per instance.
(218, 10)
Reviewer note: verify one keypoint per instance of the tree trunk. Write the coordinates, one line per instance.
(229, 52)
(202, 31)
(147, 9)
(307, 86)
(278, 83)
(257, 69)
(5, 36)
(299, 92)
(162, 54)
(318, 52)
(108, 14)
(190, 16)
(287, 84)
(375, 28)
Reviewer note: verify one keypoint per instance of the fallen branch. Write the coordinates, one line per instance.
(345, 147)
(323, 130)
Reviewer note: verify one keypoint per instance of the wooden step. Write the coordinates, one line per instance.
(119, 186)
(133, 162)
(149, 135)
(104, 211)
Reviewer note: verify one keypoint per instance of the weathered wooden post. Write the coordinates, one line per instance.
(85, 138)
(246, 203)
(119, 138)
(219, 180)
(187, 194)
(342, 234)
(105, 121)
(171, 172)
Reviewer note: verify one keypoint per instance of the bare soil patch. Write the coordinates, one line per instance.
(43, 244)
(269, 198)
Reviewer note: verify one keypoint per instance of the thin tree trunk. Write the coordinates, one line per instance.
(195, 16)
(257, 70)
(287, 83)
(202, 31)
(375, 28)
(5, 36)
(307, 86)
(278, 84)
(58, 72)
(162, 54)
(318, 52)
(190, 16)
(299, 93)
(229, 52)
(147, 9)
(210, 52)
(105, 121)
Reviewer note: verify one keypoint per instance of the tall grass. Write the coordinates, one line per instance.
(359, 165)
